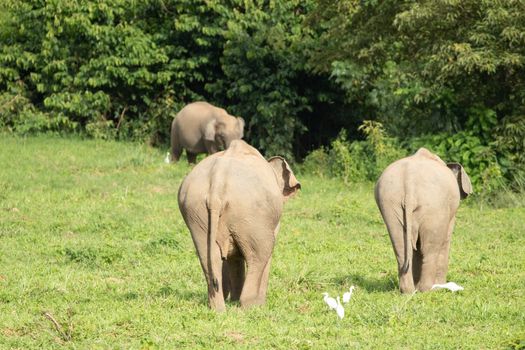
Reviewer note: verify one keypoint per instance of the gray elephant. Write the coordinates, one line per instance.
(201, 127)
(232, 203)
(418, 197)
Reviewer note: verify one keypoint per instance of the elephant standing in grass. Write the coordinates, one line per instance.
(418, 197)
(232, 203)
(200, 127)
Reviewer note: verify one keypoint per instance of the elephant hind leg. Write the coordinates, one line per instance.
(176, 148)
(263, 288)
(401, 244)
(442, 268)
(258, 268)
(192, 157)
(226, 285)
(215, 296)
(210, 146)
(417, 260)
(236, 276)
(250, 294)
(406, 280)
(434, 249)
(200, 239)
(428, 272)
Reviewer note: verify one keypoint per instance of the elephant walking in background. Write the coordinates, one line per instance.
(201, 127)
(418, 197)
(232, 203)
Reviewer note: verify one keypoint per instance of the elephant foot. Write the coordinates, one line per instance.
(247, 303)
(192, 157)
(406, 284)
(407, 290)
(235, 296)
(424, 287)
(216, 302)
(219, 307)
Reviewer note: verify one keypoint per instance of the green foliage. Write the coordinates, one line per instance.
(423, 68)
(492, 161)
(317, 163)
(356, 161)
(510, 143)
(518, 344)
(122, 69)
(263, 61)
(297, 71)
(430, 61)
(111, 67)
(382, 148)
(345, 162)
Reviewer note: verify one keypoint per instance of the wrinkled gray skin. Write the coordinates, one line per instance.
(418, 197)
(232, 203)
(203, 128)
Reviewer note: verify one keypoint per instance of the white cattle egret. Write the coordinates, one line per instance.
(332, 304)
(450, 286)
(348, 295)
(340, 309)
(167, 159)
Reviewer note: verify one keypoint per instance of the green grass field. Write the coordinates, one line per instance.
(91, 237)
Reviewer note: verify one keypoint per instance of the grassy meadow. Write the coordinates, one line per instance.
(94, 255)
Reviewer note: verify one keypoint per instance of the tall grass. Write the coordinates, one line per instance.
(94, 255)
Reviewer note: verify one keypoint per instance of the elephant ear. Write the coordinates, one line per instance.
(464, 183)
(285, 176)
(209, 131)
(240, 125)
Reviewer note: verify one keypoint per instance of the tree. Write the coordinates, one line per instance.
(438, 66)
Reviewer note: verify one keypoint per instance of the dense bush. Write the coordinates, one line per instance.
(449, 75)
(355, 161)
(263, 63)
(111, 68)
(124, 68)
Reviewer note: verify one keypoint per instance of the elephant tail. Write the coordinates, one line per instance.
(409, 238)
(214, 208)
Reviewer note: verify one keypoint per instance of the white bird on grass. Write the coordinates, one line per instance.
(348, 295)
(340, 309)
(332, 304)
(167, 159)
(450, 286)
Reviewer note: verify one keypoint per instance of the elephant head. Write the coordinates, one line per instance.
(285, 177)
(224, 130)
(465, 187)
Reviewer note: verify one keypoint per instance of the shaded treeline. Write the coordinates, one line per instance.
(446, 74)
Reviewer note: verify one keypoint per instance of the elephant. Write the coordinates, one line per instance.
(232, 203)
(203, 128)
(418, 197)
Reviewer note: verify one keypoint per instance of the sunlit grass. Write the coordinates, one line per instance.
(91, 234)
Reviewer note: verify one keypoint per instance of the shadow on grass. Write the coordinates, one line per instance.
(200, 296)
(183, 294)
(166, 292)
(169, 292)
(387, 283)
